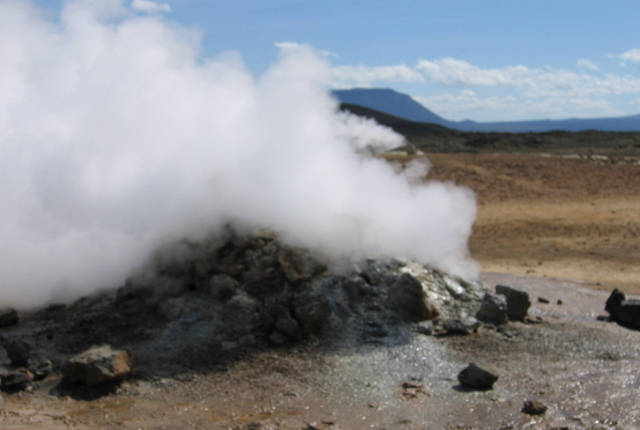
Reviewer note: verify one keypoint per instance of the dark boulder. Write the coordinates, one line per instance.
(17, 350)
(313, 313)
(478, 376)
(518, 302)
(622, 310)
(8, 317)
(18, 380)
(222, 287)
(98, 365)
(457, 326)
(534, 407)
(493, 309)
(286, 324)
(407, 297)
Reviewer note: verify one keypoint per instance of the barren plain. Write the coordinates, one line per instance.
(553, 215)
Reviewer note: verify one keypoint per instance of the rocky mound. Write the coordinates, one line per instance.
(198, 304)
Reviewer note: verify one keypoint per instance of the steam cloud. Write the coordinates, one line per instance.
(115, 136)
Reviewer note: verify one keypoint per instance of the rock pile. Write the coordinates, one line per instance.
(198, 302)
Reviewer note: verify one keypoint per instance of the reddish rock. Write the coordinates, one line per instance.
(98, 365)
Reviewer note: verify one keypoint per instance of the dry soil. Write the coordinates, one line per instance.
(554, 215)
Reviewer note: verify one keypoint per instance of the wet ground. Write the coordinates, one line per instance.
(583, 369)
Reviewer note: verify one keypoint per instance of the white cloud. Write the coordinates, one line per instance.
(467, 104)
(533, 83)
(587, 64)
(150, 7)
(632, 55)
(459, 73)
(287, 46)
(364, 76)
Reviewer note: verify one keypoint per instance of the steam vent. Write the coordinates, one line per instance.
(202, 302)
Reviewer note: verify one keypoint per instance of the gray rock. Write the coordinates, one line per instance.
(98, 365)
(41, 370)
(8, 317)
(270, 282)
(247, 340)
(624, 311)
(313, 312)
(407, 297)
(518, 302)
(286, 324)
(278, 339)
(18, 351)
(534, 407)
(460, 326)
(18, 380)
(222, 288)
(299, 264)
(478, 376)
(493, 309)
(425, 327)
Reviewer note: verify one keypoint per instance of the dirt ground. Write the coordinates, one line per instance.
(553, 216)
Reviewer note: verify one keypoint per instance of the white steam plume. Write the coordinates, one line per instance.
(115, 136)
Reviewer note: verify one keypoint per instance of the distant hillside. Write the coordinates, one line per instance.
(403, 106)
(389, 101)
(621, 124)
(430, 138)
(400, 125)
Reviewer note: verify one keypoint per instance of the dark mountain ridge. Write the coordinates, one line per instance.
(430, 137)
(403, 106)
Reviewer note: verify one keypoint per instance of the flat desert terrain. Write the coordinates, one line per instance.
(553, 215)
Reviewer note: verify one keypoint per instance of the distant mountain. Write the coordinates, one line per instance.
(621, 124)
(403, 126)
(389, 101)
(403, 106)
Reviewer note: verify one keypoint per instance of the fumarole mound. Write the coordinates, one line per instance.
(201, 303)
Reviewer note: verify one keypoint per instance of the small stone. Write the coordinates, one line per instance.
(479, 376)
(543, 300)
(493, 309)
(624, 311)
(247, 340)
(278, 339)
(408, 298)
(8, 317)
(460, 326)
(518, 301)
(286, 324)
(98, 365)
(222, 288)
(18, 380)
(17, 350)
(534, 407)
(425, 327)
(41, 370)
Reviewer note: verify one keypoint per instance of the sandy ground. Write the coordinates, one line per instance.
(551, 216)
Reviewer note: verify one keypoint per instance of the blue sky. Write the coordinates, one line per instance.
(483, 60)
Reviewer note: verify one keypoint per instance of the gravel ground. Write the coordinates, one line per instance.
(584, 370)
